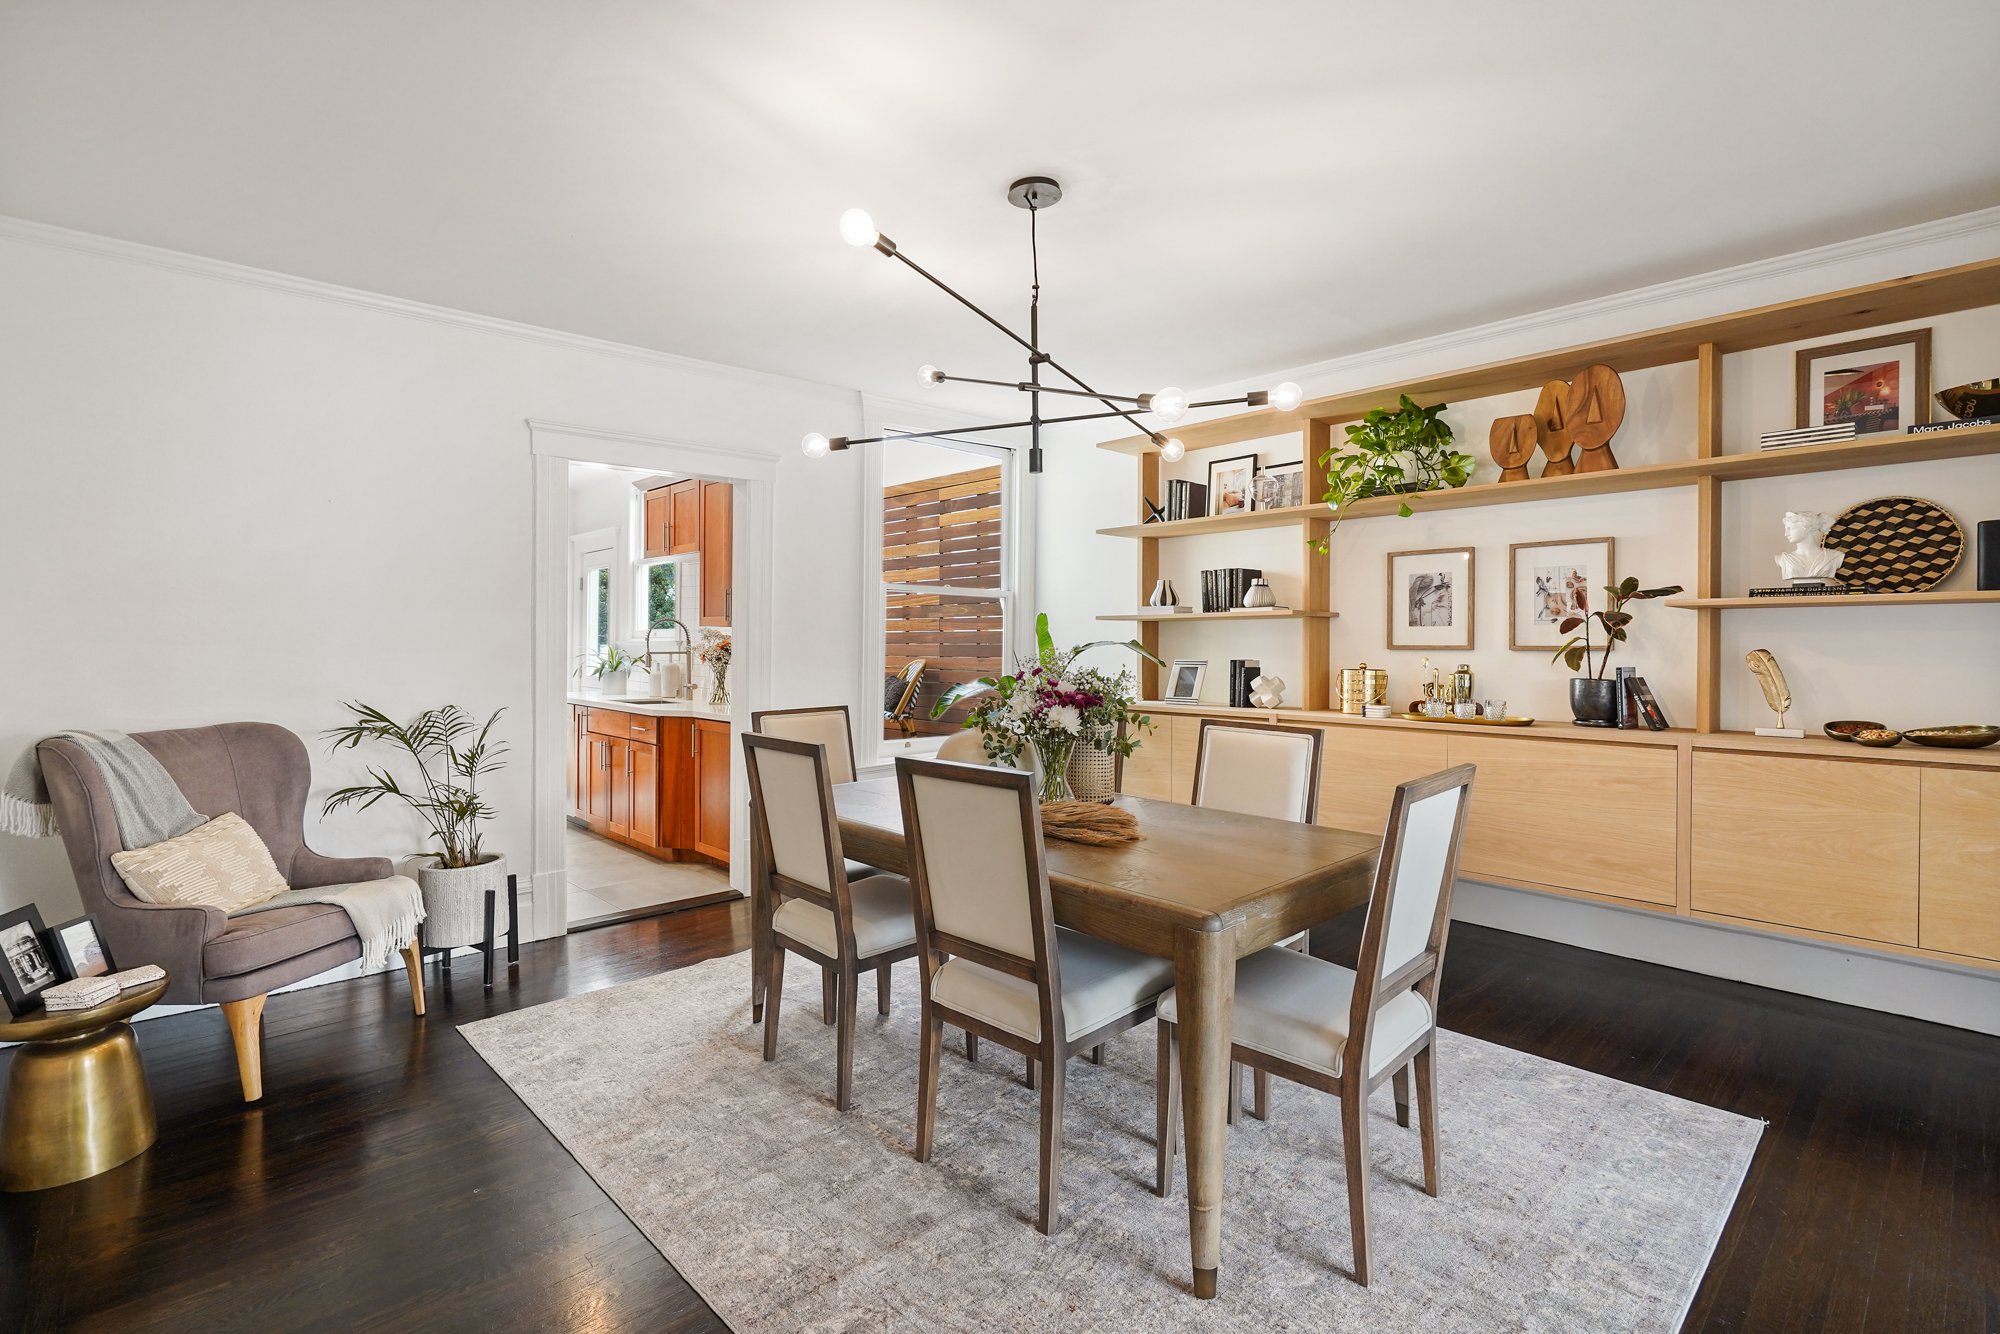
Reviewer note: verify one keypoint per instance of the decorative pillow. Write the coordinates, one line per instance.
(221, 864)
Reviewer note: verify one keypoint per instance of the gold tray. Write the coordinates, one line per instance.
(1473, 722)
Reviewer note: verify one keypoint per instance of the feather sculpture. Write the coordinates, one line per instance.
(1771, 677)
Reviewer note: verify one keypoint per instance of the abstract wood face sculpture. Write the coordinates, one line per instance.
(1593, 412)
(1552, 426)
(1513, 442)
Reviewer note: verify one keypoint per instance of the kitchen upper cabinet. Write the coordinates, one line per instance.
(717, 546)
(711, 788)
(659, 523)
(683, 518)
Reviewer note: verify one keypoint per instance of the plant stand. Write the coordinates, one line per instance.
(443, 953)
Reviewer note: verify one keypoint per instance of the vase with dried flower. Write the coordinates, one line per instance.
(714, 654)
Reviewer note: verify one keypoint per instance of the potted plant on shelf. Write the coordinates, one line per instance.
(1079, 720)
(1593, 696)
(452, 753)
(1389, 452)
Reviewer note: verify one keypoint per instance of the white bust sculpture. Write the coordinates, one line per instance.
(1808, 562)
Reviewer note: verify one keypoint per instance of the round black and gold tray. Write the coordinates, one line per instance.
(1896, 544)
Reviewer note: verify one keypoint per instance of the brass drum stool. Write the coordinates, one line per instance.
(77, 1101)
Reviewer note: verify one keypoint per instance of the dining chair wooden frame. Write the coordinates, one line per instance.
(846, 964)
(1044, 970)
(1371, 992)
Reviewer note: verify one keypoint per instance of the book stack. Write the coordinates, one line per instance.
(1963, 423)
(1649, 710)
(1186, 500)
(1807, 435)
(80, 994)
(1806, 591)
(1223, 589)
(1242, 671)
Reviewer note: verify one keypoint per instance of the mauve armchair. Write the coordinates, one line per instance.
(261, 772)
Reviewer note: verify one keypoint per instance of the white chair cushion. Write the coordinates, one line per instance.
(1100, 982)
(1256, 773)
(884, 918)
(1294, 1006)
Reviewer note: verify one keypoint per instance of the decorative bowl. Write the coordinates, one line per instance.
(1880, 737)
(1846, 728)
(1964, 736)
(1975, 398)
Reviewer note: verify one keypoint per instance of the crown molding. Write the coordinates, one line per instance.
(24, 232)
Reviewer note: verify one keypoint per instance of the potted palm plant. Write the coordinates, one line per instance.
(452, 753)
(1593, 696)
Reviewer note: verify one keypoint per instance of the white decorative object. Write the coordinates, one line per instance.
(1267, 692)
(1808, 562)
(1162, 595)
(1259, 594)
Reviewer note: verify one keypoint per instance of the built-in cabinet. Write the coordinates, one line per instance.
(694, 517)
(660, 785)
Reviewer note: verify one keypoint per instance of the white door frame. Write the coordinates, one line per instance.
(553, 446)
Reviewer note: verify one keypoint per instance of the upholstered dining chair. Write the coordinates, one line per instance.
(847, 926)
(992, 960)
(261, 772)
(1345, 1031)
(1258, 769)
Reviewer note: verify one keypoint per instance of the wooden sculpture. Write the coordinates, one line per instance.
(1593, 411)
(1513, 441)
(1777, 694)
(1552, 429)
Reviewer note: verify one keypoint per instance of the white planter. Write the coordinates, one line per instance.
(455, 901)
(612, 684)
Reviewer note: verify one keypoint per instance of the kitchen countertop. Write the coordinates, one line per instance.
(676, 708)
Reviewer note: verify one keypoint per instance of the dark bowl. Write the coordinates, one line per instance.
(1847, 727)
(1975, 398)
(1965, 736)
(1879, 737)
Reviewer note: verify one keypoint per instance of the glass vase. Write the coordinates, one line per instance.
(1055, 768)
(718, 685)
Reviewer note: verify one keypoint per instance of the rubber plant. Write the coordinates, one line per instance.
(1614, 619)
(1407, 448)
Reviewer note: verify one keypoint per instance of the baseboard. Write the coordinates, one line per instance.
(1940, 993)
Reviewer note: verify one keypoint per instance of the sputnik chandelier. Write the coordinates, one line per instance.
(1167, 406)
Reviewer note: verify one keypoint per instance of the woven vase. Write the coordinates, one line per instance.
(1093, 774)
(455, 901)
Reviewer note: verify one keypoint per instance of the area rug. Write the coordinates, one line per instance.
(1570, 1201)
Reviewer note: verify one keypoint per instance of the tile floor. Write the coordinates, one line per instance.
(606, 880)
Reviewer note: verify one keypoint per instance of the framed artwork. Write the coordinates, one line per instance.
(1548, 582)
(1881, 384)
(78, 950)
(26, 970)
(1229, 484)
(1184, 679)
(1430, 598)
(1281, 486)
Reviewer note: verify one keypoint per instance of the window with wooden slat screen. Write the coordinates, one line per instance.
(943, 578)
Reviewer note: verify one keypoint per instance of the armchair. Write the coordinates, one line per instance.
(261, 772)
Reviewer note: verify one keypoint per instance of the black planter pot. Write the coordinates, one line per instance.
(1592, 702)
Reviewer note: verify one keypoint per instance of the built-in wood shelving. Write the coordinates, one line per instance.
(1242, 614)
(1933, 598)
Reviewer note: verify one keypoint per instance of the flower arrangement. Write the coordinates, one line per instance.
(714, 654)
(1053, 705)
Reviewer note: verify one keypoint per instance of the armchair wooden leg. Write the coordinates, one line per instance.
(1401, 1083)
(1096, 1056)
(1235, 1093)
(246, 1030)
(1166, 1099)
(413, 962)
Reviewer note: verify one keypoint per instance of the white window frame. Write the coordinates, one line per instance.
(877, 750)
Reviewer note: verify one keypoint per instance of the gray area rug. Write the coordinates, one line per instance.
(1570, 1201)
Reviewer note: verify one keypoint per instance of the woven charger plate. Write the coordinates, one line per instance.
(1896, 544)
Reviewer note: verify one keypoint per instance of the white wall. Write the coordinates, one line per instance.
(1905, 665)
(233, 495)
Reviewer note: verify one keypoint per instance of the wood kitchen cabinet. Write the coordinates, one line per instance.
(711, 788)
(659, 522)
(639, 780)
(718, 556)
(683, 518)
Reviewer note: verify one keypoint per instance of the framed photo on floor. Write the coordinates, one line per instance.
(1229, 484)
(1184, 679)
(79, 951)
(1430, 598)
(26, 970)
(1881, 384)
(1281, 486)
(1548, 582)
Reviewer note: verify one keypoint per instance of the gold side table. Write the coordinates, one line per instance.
(77, 1101)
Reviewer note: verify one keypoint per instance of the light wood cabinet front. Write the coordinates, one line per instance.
(1601, 818)
(684, 518)
(659, 521)
(1959, 862)
(1825, 845)
(1186, 747)
(1360, 767)
(1149, 770)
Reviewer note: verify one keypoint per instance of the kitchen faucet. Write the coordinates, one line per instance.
(685, 652)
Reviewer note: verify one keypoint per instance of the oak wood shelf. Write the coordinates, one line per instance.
(1220, 523)
(1932, 598)
(1246, 614)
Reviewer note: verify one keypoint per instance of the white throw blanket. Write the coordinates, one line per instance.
(144, 797)
(385, 913)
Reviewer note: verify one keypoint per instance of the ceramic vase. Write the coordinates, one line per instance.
(1593, 700)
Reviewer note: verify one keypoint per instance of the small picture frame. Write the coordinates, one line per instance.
(1229, 484)
(1548, 582)
(1184, 679)
(1430, 598)
(79, 951)
(1281, 486)
(1881, 384)
(26, 970)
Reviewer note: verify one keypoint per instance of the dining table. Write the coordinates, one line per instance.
(1200, 886)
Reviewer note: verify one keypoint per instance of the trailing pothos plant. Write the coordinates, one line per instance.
(1048, 698)
(1391, 451)
(452, 751)
(1614, 619)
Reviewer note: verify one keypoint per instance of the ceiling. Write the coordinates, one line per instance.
(1249, 187)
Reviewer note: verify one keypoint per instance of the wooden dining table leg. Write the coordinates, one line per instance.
(1205, 988)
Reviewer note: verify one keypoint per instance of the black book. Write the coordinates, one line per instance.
(1649, 705)
(1962, 424)
(1197, 506)
(1628, 702)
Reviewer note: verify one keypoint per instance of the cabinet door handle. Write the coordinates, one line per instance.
(628, 761)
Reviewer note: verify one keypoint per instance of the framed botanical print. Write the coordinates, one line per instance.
(1184, 679)
(1549, 582)
(1881, 384)
(1280, 486)
(1430, 598)
(1229, 484)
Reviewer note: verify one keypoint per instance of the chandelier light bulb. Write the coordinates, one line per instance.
(1287, 396)
(929, 376)
(1170, 404)
(1172, 450)
(857, 228)
(815, 445)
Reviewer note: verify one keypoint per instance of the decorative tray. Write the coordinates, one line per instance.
(1472, 722)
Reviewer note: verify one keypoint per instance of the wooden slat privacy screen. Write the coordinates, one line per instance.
(942, 530)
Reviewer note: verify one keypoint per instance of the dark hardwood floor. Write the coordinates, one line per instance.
(389, 1180)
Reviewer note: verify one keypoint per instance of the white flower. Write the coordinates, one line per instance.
(1022, 704)
(1064, 718)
